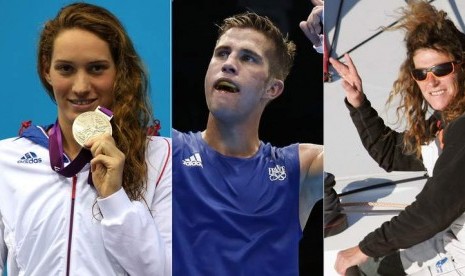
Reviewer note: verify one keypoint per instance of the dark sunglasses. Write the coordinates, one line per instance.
(440, 70)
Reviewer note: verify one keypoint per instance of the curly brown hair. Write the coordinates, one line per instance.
(132, 112)
(282, 57)
(426, 28)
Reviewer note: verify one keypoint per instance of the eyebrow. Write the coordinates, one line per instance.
(91, 62)
(222, 48)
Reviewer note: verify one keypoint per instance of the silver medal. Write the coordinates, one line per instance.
(90, 124)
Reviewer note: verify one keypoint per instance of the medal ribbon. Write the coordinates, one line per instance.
(56, 152)
(56, 155)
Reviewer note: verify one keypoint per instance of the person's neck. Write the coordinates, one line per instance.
(235, 141)
(70, 146)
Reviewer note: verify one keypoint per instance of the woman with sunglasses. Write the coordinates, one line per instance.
(432, 77)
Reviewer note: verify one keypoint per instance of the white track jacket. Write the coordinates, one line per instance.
(51, 225)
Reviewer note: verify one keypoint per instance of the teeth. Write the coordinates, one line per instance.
(226, 86)
(437, 93)
(81, 102)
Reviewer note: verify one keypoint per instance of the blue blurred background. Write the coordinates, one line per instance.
(23, 97)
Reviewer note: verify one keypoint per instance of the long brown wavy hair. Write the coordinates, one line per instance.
(282, 58)
(426, 28)
(132, 112)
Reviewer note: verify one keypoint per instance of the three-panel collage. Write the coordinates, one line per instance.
(232, 138)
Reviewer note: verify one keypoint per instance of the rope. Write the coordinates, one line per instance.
(328, 47)
(336, 29)
(383, 184)
(378, 204)
(369, 38)
(375, 204)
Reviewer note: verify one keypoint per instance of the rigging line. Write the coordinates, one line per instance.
(455, 9)
(374, 204)
(372, 212)
(371, 37)
(366, 40)
(328, 47)
(333, 43)
(383, 184)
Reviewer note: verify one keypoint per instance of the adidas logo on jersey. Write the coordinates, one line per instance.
(30, 158)
(193, 161)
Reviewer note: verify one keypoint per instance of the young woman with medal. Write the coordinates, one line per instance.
(91, 193)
